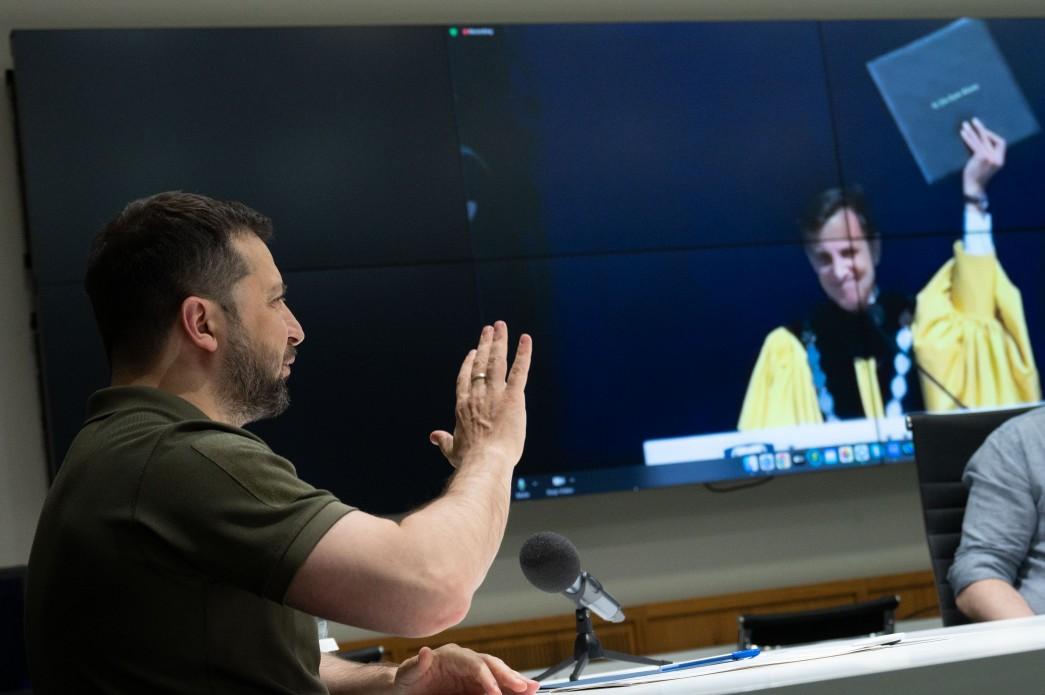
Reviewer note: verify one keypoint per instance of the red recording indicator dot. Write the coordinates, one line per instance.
(466, 32)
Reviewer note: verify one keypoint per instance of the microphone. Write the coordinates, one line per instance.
(877, 315)
(551, 563)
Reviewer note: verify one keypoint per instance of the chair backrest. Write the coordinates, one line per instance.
(943, 444)
(874, 617)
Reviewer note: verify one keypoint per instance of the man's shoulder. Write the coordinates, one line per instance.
(231, 453)
(1020, 439)
(216, 440)
(1030, 424)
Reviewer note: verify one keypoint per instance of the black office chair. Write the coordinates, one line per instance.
(943, 444)
(874, 617)
(14, 673)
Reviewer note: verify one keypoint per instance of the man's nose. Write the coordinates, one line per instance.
(841, 268)
(295, 333)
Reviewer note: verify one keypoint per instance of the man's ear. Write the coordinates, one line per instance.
(198, 320)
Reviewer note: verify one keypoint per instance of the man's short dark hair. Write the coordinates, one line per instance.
(157, 252)
(824, 206)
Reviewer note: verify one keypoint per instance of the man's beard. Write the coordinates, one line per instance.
(250, 392)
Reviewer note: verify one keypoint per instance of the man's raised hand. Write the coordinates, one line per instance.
(987, 156)
(491, 403)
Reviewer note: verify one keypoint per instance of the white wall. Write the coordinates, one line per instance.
(647, 546)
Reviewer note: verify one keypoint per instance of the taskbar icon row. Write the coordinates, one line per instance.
(868, 453)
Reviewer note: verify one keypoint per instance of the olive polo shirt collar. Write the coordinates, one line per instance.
(110, 400)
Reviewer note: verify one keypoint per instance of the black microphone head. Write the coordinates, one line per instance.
(550, 561)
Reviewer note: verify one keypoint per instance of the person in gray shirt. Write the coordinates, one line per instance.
(999, 567)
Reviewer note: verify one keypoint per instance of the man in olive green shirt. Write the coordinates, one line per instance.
(176, 553)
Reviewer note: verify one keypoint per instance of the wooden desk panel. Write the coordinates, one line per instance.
(671, 626)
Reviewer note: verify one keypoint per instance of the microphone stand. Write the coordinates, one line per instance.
(587, 648)
(925, 372)
(877, 315)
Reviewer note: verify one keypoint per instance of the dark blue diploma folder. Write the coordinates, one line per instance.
(940, 80)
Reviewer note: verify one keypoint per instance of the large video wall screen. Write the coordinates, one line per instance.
(631, 195)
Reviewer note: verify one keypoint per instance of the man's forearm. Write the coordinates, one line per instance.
(466, 525)
(417, 576)
(977, 239)
(992, 599)
(343, 677)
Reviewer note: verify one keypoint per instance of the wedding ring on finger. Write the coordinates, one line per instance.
(479, 376)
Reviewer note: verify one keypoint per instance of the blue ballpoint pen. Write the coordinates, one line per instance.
(667, 668)
(707, 661)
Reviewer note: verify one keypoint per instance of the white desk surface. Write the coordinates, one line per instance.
(1002, 658)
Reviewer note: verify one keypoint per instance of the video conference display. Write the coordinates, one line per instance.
(633, 196)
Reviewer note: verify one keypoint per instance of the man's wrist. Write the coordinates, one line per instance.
(342, 677)
(977, 200)
(973, 186)
(488, 457)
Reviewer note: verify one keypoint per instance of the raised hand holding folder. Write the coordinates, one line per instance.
(935, 83)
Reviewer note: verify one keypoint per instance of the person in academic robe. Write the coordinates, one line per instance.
(962, 342)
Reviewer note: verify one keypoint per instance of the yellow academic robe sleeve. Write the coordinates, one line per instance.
(970, 333)
(780, 391)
